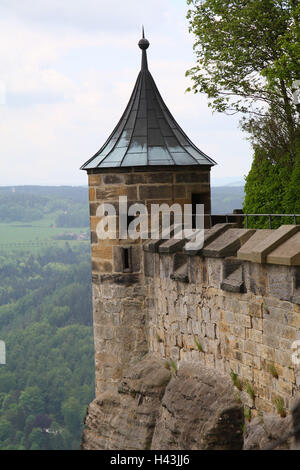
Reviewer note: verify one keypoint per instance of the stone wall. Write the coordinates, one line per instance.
(118, 298)
(228, 314)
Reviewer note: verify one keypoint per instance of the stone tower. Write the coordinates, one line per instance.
(149, 159)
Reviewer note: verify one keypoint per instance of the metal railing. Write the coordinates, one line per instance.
(246, 216)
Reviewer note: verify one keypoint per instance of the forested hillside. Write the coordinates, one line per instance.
(46, 322)
(46, 314)
(45, 317)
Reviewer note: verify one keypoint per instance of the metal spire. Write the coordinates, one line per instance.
(144, 44)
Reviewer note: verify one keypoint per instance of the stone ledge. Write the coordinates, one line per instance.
(274, 240)
(245, 252)
(228, 243)
(278, 247)
(171, 246)
(153, 244)
(288, 253)
(121, 279)
(209, 236)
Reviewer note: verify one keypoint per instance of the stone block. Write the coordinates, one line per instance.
(284, 387)
(257, 323)
(171, 246)
(210, 235)
(283, 358)
(211, 330)
(94, 238)
(111, 193)
(288, 253)
(266, 352)
(254, 335)
(113, 179)
(255, 310)
(245, 252)
(193, 177)
(155, 192)
(239, 331)
(95, 179)
(280, 282)
(275, 239)
(243, 320)
(92, 194)
(159, 177)
(103, 252)
(228, 243)
(135, 178)
(229, 317)
(250, 347)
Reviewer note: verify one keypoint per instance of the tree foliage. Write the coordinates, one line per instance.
(248, 61)
(272, 188)
(248, 57)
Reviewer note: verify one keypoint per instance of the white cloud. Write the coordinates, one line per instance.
(86, 14)
(71, 81)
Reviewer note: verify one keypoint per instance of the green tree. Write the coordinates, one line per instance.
(37, 439)
(5, 429)
(71, 411)
(7, 381)
(31, 399)
(248, 62)
(248, 58)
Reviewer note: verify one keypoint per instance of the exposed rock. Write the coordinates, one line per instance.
(126, 420)
(196, 409)
(265, 431)
(199, 411)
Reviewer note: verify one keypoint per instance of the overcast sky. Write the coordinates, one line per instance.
(67, 69)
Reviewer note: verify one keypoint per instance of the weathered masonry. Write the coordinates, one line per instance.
(233, 306)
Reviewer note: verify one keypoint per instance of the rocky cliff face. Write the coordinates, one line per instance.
(157, 407)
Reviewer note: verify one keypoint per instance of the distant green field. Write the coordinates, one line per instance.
(29, 217)
(34, 235)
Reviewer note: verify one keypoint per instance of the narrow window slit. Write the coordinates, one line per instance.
(127, 260)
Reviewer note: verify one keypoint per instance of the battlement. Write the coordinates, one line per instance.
(235, 246)
(233, 306)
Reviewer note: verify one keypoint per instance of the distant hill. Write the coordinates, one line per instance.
(226, 198)
(78, 194)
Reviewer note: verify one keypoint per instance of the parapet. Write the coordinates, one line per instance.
(236, 248)
(281, 246)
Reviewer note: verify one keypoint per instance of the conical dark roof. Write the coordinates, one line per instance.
(147, 134)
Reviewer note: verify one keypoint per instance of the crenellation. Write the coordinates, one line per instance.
(245, 332)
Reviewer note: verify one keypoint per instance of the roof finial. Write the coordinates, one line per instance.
(144, 43)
